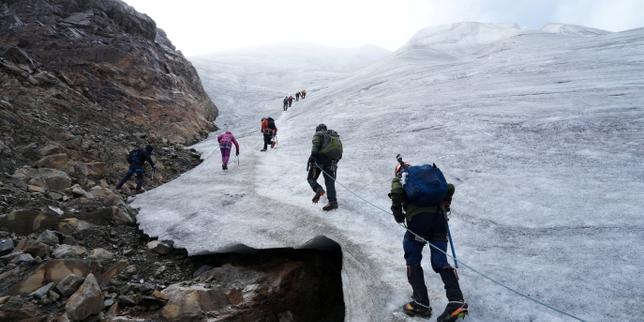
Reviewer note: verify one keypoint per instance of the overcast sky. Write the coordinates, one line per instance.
(199, 26)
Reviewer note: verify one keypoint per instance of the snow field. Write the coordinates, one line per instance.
(542, 132)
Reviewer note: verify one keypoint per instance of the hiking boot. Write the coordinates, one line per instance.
(317, 196)
(262, 150)
(415, 309)
(225, 167)
(330, 206)
(453, 311)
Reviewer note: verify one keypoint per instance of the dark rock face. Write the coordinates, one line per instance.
(84, 81)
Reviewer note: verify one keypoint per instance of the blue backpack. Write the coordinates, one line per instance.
(424, 185)
(135, 157)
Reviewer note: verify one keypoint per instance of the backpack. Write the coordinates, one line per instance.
(226, 140)
(424, 185)
(271, 123)
(135, 157)
(331, 145)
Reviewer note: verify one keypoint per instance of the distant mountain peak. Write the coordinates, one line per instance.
(573, 30)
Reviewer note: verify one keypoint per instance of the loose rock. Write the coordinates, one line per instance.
(86, 301)
(69, 284)
(69, 251)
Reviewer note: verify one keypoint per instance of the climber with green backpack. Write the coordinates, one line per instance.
(325, 155)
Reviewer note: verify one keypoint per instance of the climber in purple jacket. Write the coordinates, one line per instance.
(226, 142)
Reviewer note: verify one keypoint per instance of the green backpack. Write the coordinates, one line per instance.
(331, 145)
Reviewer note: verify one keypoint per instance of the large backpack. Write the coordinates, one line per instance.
(135, 157)
(424, 185)
(331, 145)
(271, 123)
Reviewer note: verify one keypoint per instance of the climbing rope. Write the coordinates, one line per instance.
(460, 260)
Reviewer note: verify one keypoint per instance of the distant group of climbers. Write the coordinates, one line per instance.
(420, 197)
(288, 99)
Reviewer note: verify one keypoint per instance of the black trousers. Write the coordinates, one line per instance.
(330, 172)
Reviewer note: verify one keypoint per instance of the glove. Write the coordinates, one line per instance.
(399, 216)
(236, 152)
(447, 203)
(311, 160)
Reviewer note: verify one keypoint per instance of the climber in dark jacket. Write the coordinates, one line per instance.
(429, 222)
(320, 163)
(137, 158)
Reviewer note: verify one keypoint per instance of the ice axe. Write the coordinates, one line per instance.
(451, 242)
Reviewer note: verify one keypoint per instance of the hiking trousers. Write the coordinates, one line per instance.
(138, 171)
(330, 172)
(432, 227)
(268, 139)
(225, 152)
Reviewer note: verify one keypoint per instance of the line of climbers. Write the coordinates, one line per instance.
(420, 197)
(288, 99)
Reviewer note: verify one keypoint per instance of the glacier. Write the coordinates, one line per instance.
(541, 132)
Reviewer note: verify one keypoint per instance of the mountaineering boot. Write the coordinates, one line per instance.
(456, 308)
(420, 305)
(452, 289)
(224, 167)
(330, 206)
(415, 309)
(318, 195)
(273, 143)
(453, 311)
(262, 150)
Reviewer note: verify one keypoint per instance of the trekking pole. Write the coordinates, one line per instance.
(237, 156)
(451, 242)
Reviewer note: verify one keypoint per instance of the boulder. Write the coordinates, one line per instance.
(106, 195)
(35, 248)
(77, 190)
(53, 161)
(72, 225)
(68, 285)
(115, 214)
(192, 302)
(44, 178)
(126, 301)
(69, 251)
(42, 292)
(49, 237)
(86, 301)
(6, 246)
(18, 258)
(53, 271)
(28, 220)
(101, 254)
(98, 169)
(51, 148)
(159, 247)
(17, 309)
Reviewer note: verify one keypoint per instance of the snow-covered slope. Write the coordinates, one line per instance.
(542, 134)
(247, 81)
(573, 30)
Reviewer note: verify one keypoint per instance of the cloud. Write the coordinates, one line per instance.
(198, 27)
(615, 15)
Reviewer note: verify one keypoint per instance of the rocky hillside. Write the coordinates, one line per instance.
(84, 81)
